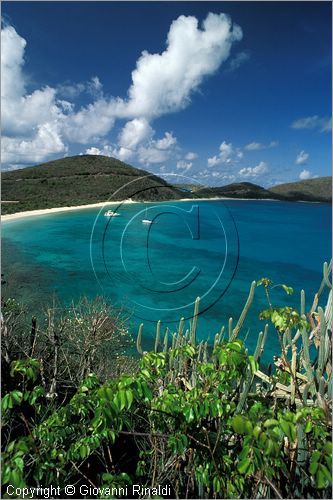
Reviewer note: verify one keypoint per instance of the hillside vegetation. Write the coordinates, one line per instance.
(319, 189)
(239, 190)
(80, 180)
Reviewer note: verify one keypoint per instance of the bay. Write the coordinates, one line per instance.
(212, 249)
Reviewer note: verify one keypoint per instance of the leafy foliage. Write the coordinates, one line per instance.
(204, 420)
(190, 436)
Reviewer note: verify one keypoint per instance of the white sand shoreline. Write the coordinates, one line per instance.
(106, 204)
(49, 211)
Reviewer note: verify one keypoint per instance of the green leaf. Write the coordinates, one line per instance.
(253, 364)
(326, 473)
(129, 397)
(315, 456)
(313, 468)
(17, 396)
(189, 414)
(238, 424)
(308, 427)
(269, 447)
(216, 484)
(320, 479)
(270, 422)
(288, 289)
(84, 451)
(328, 447)
(244, 465)
(256, 431)
(286, 428)
(248, 427)
(19, 463)
(16, 479)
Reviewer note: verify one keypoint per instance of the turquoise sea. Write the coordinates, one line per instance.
(211, 249)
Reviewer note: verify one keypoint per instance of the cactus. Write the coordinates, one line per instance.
(195, 321)
(174, 341)
(326, 272)
(139, 339)
(301, 449)
(166, 340)
(322, 353)
(221, 337)
(263, 341)
(327, 269)
(230, 328)
(249, 375)
(293, 373)
(181, 326)
(306, 390)
(302, 302)
(158, 335)
(306, 355)
(205, 352)
(180, 338)
(200, 351)
(243, 315)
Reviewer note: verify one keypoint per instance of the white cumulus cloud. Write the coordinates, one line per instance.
(301, 158)
(323, 124)
(163, 83)
(157, 150)
(167, 142)
(191, 156)
(257, 146)
(238, 60)
(305, 174)
(259, 169)
(184, 165)
(134, 132)
(228, 155)
(34, 150)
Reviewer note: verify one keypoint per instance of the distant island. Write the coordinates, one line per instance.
(88, 179)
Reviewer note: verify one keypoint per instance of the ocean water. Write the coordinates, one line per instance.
(211, 249)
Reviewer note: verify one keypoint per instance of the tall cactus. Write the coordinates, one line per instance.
(245, 311)
(230, 328)
(195, 322)
(249, 375)
(166, 340)
(139, 339)
(158, 335)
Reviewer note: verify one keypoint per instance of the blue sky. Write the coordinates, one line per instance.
(216, 91)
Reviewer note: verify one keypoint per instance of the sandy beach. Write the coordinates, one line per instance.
(49, 211)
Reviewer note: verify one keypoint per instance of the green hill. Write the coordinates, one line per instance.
(319, 189)
(238, 190)
(80, 180)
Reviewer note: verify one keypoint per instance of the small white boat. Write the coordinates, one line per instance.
(110, 213)
(146, 220)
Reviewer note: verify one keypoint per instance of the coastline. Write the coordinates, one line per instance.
(50, 211)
